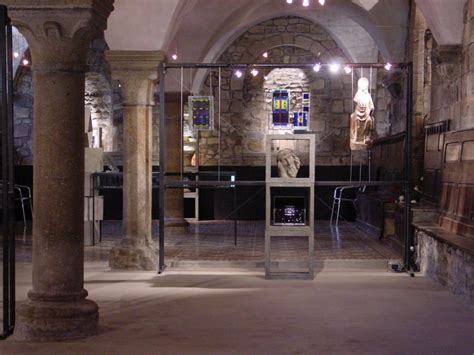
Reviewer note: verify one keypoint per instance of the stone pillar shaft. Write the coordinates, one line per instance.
(137, 176)
(58, 244)
(417, 47)
(137, 72)
(59, 36)
(467, 94)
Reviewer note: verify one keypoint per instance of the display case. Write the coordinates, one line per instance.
(290, 162)
(289, 211)
(288, 153)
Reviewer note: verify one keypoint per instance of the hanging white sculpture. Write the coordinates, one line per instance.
(362, 122)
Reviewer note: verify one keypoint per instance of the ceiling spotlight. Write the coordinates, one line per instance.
(317, 67)
(347, 69)
(16, 54)
(238, 73)
(289, 1)
(174, 56)
(265, 55)
(25, 61)
(305, 3)
(388, 66)
(254, 72)
(334, 67)
(322, 2)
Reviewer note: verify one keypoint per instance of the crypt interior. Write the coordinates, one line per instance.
(272, 176)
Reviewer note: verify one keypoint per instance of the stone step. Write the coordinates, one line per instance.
(330, 264)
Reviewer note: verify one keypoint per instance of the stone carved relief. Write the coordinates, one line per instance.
(362, 122)
(288, 163)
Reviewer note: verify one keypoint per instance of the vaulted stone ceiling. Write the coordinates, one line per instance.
(201, 29)
(445, 19)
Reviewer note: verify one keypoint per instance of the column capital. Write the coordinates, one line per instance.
(137, 72)
(59, 32)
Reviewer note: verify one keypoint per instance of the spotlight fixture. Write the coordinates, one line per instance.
(388, 66)
(25, 61)
(238, 73)
(174, 56)
(347, 69)
(334, 68)
(317, 67)
(254, 72)
(16, 54)
(265, 55)
(306, 2)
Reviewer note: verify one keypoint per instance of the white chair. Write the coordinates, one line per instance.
(23, 194)
(340, 196)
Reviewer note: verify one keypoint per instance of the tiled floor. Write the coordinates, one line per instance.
(214, 241)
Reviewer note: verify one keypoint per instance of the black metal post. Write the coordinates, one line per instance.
(6, 104)
(369, 153)
(235, 215)
(272, 65)
(93, 209)
(409, 240)
(162, 187)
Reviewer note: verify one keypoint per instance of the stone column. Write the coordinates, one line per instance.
(467, 93)
(420, 95)
(174, 199)
(137, 72)
(59, 36)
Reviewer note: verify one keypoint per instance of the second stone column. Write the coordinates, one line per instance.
(137, 73)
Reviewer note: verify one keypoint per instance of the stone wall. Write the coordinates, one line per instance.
(99, 93)
(450, 266)
(446, 87)
(246, 102)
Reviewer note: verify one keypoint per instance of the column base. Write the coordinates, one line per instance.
(176, 225)
(55, 321)
(133, 258)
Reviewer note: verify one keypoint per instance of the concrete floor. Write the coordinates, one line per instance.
(350, 307)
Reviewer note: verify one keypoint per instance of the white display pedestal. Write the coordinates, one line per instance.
(300, 183)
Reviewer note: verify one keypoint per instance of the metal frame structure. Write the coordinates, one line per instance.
(304, 183)
(7, 188)
(406, 183)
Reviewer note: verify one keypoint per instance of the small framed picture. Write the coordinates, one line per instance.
(201, 112)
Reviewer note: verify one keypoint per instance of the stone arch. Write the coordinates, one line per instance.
(287, 31)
